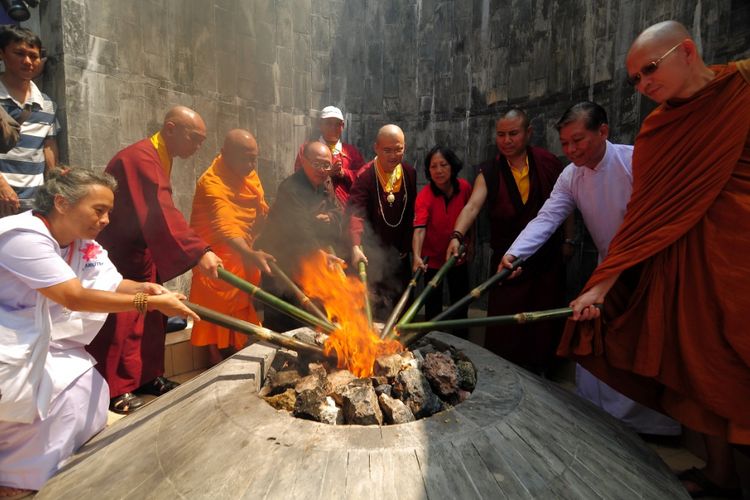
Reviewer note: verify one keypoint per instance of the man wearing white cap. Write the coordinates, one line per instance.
(347, 159)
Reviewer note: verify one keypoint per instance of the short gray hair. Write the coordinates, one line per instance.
(70, 183)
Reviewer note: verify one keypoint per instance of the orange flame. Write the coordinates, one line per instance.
(356, 344)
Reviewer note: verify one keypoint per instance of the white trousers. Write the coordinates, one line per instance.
(31, 453)
(634, 415)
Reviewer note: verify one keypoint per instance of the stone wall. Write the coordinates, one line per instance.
(442, 69)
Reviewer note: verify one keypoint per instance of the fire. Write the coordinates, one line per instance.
(356, 344)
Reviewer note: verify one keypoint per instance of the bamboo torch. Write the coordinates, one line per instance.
(362, 268)
(246, 328)
(402, 301)
(308, 304)
(275, 302)
(433, 283)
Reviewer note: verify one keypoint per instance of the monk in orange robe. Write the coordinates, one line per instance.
(228, 208)
(675, 285)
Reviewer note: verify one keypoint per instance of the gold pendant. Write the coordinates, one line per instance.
(390, 198)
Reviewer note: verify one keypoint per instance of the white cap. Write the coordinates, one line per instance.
(331, 112)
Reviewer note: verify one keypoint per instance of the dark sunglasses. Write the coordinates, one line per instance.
(650, 68)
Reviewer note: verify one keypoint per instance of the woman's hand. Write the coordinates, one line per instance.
(170, 304)
(151, 289)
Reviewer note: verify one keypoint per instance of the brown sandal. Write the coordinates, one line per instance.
(125, 403)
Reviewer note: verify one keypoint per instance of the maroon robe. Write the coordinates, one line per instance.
(351, 163)
(387, 248)
(147, 239)
(542, 283)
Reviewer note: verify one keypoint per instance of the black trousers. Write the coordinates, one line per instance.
(458, 286)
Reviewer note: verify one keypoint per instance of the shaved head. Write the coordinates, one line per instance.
(663, 63)
(316, 162)
(389, 146)
(183, 131)
(514, 113)
(661, 35)
(240, 152)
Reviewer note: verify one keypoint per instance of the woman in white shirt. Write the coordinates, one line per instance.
(51, 271)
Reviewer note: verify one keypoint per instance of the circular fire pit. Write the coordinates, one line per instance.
(517, 436)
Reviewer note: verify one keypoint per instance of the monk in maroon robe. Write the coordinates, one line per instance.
(675, 285)
(149, 240)
(514, 185)
(347, 161)
(381, 212)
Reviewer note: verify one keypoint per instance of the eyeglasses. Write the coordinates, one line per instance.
(322, 165)
(650, 68)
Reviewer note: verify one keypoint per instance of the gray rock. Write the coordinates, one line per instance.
(389, 366)
(304, 334)
(284, 401)
(309, 403)
(361, 404)
(283, 380)
(330, 413)
(394, 410)
(415, 390)
(442, 373)
(467, 375)
(336, 384)
(317, 369)
(383, 389)
(310, 383)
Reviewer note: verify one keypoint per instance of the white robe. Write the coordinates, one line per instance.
(52, 398)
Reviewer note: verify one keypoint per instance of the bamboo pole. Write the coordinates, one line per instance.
(260, 332)
(362, 268)
(275, 302)
(308, 304)
(478, 291)
(419, 330)
(402, 301)
(433, 283)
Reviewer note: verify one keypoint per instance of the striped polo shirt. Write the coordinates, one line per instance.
(23, 166)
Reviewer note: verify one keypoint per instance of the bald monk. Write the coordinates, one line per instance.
(514, 185)
(676, 282)
(149, 240)
(228, 209)
(380, 210)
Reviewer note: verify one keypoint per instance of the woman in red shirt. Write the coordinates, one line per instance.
(437, 207)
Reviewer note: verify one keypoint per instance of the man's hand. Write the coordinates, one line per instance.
(507, 263)
(260, 259)
(9, 204)
(334, 262)
(209, 264)
(584, 306)
(358, 255)
(323, 217)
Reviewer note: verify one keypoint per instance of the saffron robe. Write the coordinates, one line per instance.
(675, 336)
(385, 232)
(351, 163)
(147, 239)
(226, 206)
(542, 284)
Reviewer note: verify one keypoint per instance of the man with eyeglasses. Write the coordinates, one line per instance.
(513, 185)
(306, 217)
(674, 285)
(381, 216)
(347, 160)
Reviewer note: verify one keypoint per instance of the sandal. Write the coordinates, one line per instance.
(125, 403)
(157, 387)
(706, 487)
(11, 493)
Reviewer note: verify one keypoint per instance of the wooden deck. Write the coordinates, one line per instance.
(517, 436)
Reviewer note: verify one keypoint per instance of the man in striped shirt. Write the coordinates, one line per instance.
(22, 168)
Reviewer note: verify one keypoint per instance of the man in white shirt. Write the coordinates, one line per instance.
(598, 182)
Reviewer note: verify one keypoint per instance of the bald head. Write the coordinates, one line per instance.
(316, 162)
(663, 63)
(183, 130)
(389, 146)
(513, 114)
(240, 151)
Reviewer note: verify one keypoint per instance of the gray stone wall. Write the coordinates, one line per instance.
(442, 69)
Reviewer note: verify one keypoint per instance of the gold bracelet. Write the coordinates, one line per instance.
(140, 301)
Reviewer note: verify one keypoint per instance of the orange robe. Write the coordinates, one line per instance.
(226, 206)
(675, 331)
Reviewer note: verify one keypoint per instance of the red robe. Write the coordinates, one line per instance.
(351, 163)
(147, 239)
(542, 284)
(675, 335)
